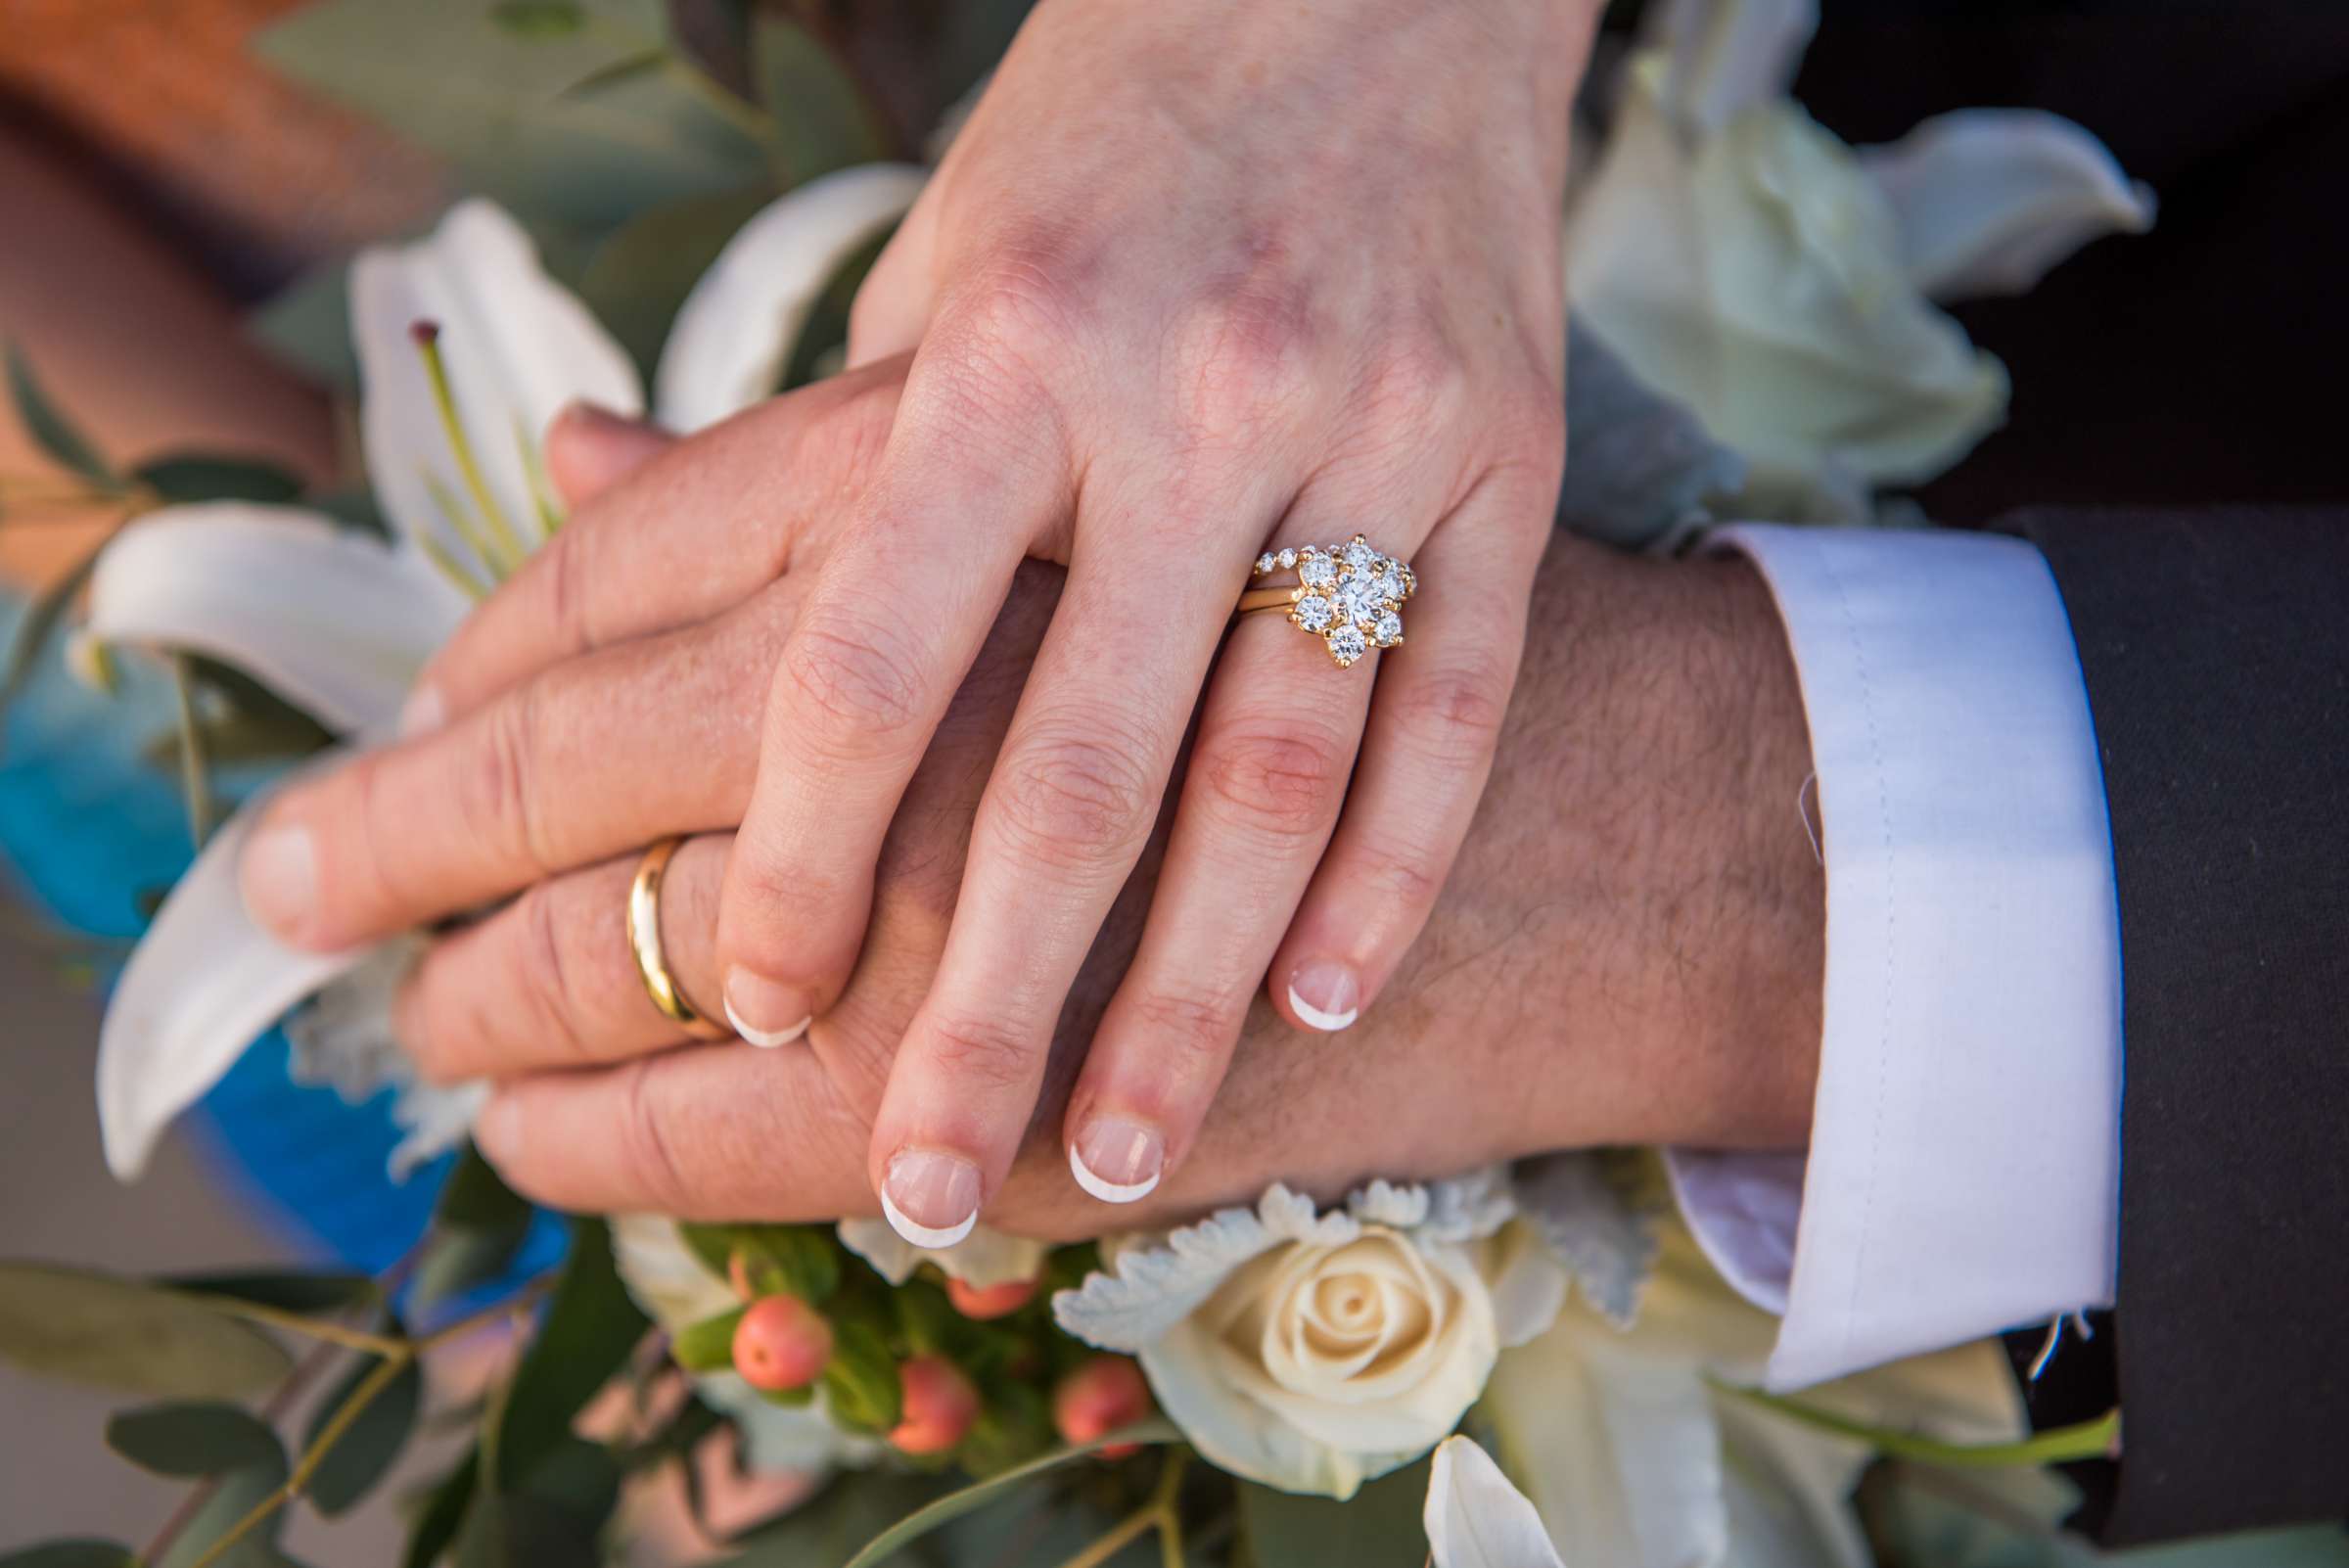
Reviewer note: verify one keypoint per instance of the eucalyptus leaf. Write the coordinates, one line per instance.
(196, 1438)
(368, 1448)
(820, 111)
(1378, 1527)
(507, 105)
(478, 1225)
(540, 19)
(442, 1516)
(49, 427)
(236, 1494)
(292, 1292)
(204, 476)
(584, 1338)
(828, 1527)
(860, 1384)
(956, 1504)
(557, 1517)
(641, 273)
(81, 1553)
(39, 623)
(118, 1333)
(307, 326)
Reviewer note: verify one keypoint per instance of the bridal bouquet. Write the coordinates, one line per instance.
(1511, 1368)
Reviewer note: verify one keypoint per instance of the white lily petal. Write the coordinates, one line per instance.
(519, 347)
(336, 623)
(736, 329)
(1476, 1519)
(204, 984)
(662, 1274)
(1989, 199)
(1726, 56)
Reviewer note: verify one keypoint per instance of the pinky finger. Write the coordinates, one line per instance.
(1435, 721)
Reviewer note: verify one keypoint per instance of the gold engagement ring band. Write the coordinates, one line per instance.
(644, 941)
(1349, 595)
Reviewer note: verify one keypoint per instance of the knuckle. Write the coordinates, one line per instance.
(987, 1055)
(1074, 799)
(1454, 713)
(857, 677)
(1283, 784)
(1529, 436)
(1395, 875)
(1190, 1033)
(1243, 363)
(547, 971)
(495, 791)
(645, 1146)
(1417, 380)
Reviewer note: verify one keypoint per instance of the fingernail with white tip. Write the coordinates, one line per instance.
(931, 1199)
(1116, 1160)
(1326, 994)
(762, 1011)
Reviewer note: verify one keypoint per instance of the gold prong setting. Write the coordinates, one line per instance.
(1349, 595)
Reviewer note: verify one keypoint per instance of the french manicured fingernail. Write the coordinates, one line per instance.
(1118, 1160)
(279, 873)
(497, 1130)
(424, 712)
(764, 1011)
(932, 1199)
(595, 418)
(1325, 993)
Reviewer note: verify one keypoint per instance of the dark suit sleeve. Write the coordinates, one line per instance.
(2215, 646)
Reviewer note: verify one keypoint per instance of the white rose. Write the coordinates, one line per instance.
(1315, 1351)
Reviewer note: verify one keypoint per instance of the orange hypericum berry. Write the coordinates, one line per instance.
(1099, 1397)
(781, 1343)
(939, 1405)
(980, 1304)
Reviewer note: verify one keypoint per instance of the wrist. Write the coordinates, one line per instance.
(1663, 899)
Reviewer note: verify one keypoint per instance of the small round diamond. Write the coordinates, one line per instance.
(1314, 613)
(1389, 630)
(1285, 560)
(1347, 644)
(1359, 556)
(1315, 570)
(1264, 562)
(1387, 584)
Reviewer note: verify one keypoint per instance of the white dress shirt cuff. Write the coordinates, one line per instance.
(1964, 1171)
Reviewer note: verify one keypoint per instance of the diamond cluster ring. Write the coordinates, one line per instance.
(1349, 595)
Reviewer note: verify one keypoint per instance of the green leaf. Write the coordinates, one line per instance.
(540, 19)
(199, 477)
(39, 625)
(846, 1514)
(956, 1504)
(118, 1333)
(822, 115)
(860, 1381)
(191, 1439)
(641, 273)
(444, 1513)
(237, 1495)
(1378, 1527)
(589, 1328)
(367, 1450)
(826, 328)
(802, 1260)
(293, 1293)
(709, 1345)
(478, 1225)
(307, 326)
(51, 431)
(557, 1517)
(81, 1553)
(509, 108)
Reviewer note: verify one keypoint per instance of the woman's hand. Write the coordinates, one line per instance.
(1194, 283)
(1644, 968)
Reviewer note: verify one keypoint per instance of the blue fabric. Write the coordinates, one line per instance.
(87, 827)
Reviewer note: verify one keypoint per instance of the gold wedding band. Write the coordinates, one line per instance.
(1349, 595)
(644, 939)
